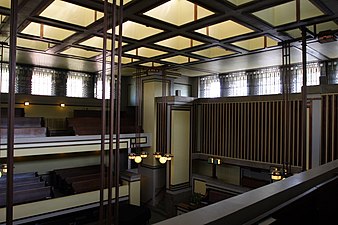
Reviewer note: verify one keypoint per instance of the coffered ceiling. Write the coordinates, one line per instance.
(191, 37)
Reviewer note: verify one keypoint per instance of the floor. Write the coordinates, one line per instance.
(156, 217)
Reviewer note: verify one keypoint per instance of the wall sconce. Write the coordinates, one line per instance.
(163, 158)
(26, 103)
(62, 105)
(138, 157)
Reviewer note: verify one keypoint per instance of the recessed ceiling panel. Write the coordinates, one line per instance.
(151, 64)
(179, 59)
(124, 60)
(32, 44)
(97, 42)
(179, 43)
(309, 10)
(45, 31)
(5, 3)
(190, 72)
(239, 2)
(178, 12)
(118, 2)
(214, 52)
(136, 30)
(80, 52)
(145, 52)
(224, 30)
(71, 13)
(296, 33)
(278, 15)
(256, 43)
(2, 18)
(286, 13)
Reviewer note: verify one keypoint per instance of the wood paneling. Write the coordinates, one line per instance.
(329, 128)
(264, 131)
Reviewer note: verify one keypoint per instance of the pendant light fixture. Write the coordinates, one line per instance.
(162, 154)
(139, 155)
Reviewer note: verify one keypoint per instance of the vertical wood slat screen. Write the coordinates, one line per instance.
(329, 128)
(161, 128)
(255, 131)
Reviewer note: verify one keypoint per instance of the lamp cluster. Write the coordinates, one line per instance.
(3, 169)
(214, 161)
(163, 158)
(278, 173)
(138, 157)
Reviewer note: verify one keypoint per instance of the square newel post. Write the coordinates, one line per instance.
(133, 180)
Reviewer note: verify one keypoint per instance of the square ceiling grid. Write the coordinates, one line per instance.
(172, 33)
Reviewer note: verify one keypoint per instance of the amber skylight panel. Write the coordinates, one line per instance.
(179, 59)
(151, 64)
(71, 13)
(296, 33)
(256, 43)
(179, 43)
(214, 52)
(146, 52)
(97, 42)
(239, 2)
(45, 31)
(80, 52)
(32, 44)
(223, 30)
(178, 12)
(286, 13)
(136, 30)
(118, 2)
(5, 3)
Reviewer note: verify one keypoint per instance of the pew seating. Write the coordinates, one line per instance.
(27, 187)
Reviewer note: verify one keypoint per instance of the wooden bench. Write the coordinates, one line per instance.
(86, 185)
(23, 186)
(58, 175)
(27, 187)
(27, 195)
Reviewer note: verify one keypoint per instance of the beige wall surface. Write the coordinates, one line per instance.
(180, 146)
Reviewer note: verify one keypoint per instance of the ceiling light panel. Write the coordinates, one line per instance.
(5, 3)
(179, 43)
(97, 42)
(2, 18)
(136, 30)
(296, 33)
(151, 64)
(146, 52)
(178, 12)
(214, 52)
(80, 52)
(179, 59)
(125, 60)
(286, 13)
(71, 13)
(239, 2)
(223, 30)
(256, 43)
(118, 2)
(32, 44)
(45, 31)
